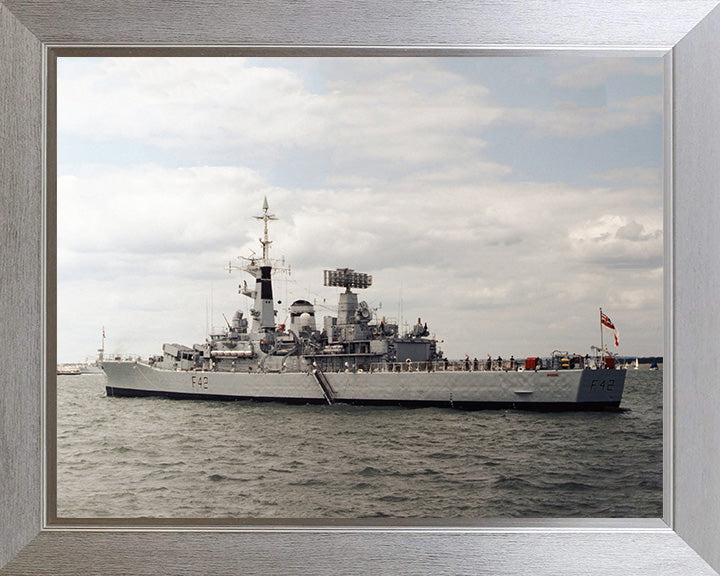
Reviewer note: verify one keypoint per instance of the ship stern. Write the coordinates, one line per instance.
(601, 388)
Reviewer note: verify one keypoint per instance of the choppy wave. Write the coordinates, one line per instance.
(130, 457)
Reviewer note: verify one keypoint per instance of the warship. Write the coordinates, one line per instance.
(354, 358)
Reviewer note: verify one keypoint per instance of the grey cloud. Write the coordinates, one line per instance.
(635, 232)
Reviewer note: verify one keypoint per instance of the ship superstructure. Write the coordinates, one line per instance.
(353, 357)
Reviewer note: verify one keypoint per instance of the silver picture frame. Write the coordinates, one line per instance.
(684, 541)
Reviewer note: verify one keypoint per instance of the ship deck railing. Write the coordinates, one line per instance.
(442, 366)
(468, 366)
(124, 358)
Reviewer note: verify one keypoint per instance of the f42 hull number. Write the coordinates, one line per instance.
(199, 382)
(606, 384)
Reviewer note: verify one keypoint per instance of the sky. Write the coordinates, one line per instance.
(502, 200)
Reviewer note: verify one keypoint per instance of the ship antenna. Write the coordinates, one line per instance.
(265, 240)
(101, 351)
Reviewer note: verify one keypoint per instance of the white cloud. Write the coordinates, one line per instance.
(568, 120)
(637, 175)
(141, 247)
(597, 71)
(617, 241)
(165, 211)
(391, 116)
(157, 101)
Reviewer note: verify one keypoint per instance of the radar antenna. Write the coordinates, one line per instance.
(347, 278)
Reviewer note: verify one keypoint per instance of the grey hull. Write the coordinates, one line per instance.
(532, 390)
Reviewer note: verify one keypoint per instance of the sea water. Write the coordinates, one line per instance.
(132, 457)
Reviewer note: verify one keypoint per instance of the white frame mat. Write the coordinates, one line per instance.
(685, 32)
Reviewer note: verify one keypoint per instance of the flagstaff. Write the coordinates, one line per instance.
(605, 321)
(602, 345)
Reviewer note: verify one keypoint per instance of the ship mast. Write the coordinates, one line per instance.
(261, 268)
(265, 240)
(262, 312)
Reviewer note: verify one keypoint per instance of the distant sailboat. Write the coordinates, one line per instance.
(637, 364)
